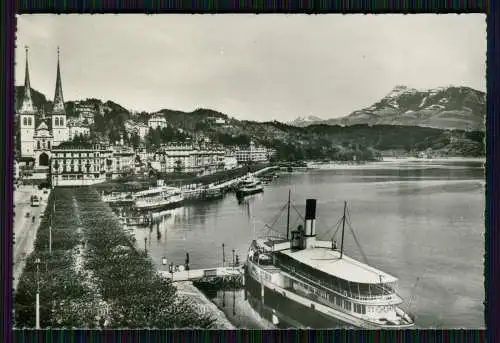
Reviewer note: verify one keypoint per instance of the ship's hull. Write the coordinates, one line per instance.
(242, 192)
(289, 313)
(304, 310)
(159, 206)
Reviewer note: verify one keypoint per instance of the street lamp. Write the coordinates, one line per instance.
(145, 246)
(88, 170)
(233, 259)
(37, 304)
(223, 255)
(56, 167)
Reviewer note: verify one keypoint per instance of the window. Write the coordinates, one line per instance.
(347, 305)
(25, 121)
(48, 144)
(61, 122)
(38, 144)
(56, 121)
(29, 121)
(338, 301)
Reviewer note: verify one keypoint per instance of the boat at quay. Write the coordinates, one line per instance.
(248, 186)
(158, 198)
(118, 198)
(307, 275)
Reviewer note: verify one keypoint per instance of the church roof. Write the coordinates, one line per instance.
(27, 104)
(58, 107)
(43, 130)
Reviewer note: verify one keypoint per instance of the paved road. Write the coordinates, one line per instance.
(24, 228)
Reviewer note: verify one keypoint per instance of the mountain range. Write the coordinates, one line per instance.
(451, 107)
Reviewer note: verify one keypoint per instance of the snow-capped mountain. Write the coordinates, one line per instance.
(445, 107)
(306, 121)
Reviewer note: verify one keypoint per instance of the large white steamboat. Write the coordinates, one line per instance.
(158, 198)
(316, 279)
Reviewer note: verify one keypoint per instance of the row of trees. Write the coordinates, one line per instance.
(66, 300)
(127, 279)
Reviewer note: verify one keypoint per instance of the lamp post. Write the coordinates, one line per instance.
(37, 304)
(56, 167)
(88, 170)
(145, 245)
(233, 259)
(223, 255)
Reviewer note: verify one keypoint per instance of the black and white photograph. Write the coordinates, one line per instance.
(234, 171)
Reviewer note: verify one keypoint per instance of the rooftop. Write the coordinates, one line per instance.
(329, 262)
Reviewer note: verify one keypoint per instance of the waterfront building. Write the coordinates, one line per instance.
(81, 164)
(200, 159)
(157, 120)
(252, 153)
(39, 134)
(123, 160)
(230, 161)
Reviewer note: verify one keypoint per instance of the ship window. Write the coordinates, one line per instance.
(338, 301)
(363, 309)
(347, 305)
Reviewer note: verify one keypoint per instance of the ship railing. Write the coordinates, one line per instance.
(339, 291)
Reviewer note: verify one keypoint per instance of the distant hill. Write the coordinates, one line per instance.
(446, 108)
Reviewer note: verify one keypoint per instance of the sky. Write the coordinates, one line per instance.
(254, 67)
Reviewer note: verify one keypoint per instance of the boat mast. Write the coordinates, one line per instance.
(288, 217)
(343, 227)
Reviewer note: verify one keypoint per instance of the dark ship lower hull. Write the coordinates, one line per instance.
(289, 314)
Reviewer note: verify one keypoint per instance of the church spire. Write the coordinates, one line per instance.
(58, 96)
(27, 104)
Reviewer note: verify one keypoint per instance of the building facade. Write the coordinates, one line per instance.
(81, 164)
(138, 128)
(123, 160)
(157, 121)
(190, 158)
(39, 134)
(252, 153)
(85, 112)
(230, 161)
(77, 128)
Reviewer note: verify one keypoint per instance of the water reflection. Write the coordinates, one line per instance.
(414, 220)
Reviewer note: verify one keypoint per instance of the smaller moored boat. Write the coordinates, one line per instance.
(163, 197)
(250, 185)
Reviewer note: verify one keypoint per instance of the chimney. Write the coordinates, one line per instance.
(310, 223)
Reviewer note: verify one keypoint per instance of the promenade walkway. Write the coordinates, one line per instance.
(25, 229)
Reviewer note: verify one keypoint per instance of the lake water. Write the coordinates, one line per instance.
(421, 221)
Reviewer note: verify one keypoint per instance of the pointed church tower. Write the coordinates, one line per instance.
(26, 116)
(60, 129)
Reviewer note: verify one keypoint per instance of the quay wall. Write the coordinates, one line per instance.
(186, 289)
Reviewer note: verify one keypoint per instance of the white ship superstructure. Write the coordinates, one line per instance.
(162, 197)
(319, 276)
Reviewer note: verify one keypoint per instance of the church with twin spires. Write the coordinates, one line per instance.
(40, 133)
